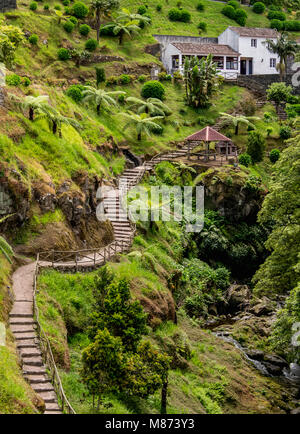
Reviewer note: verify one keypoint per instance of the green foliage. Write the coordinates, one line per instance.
(142, 78)
(46, 6)
(73, 20)
(100, 75)
(234, 3)
(142, 10)
(202, 26)
(274, 155)
(259, 8)
(291, 26)
(276, 15)
(200, 7)
(158, 8)
(229, 11)
(33, 6)
(153, 89)
(142, 123)
(63, 54)
(33, 39)
(278, 92)
(240, 17)
(68, 26)
(26, 81)
(285, 132)
(10, 38)
(100, 97)
(125, 79)
(182, 15)
(255, 146)
(276, 24)
(79, 10)
(84, 29)
(75, 92)
(13, 80)
(245, 160)
(91, 44)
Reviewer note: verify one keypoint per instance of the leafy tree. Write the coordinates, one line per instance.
(100, 97)
(281, 206)
(236, 120)
(283, 47)
(125, 15)
(34, 104)
(102, 8)
(150, 106)
(153, 89)
(141, 123)
(256, 146)
(122, 28)
(201, 80)
(279, 93)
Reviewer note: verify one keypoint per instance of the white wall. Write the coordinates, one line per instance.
(167, 56)
(260, 54)
(228, 37)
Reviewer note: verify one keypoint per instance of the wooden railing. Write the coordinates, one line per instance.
(47, 354)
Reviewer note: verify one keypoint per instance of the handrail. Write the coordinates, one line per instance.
(47, 352)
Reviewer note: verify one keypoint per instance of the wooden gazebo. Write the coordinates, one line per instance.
(206, 136)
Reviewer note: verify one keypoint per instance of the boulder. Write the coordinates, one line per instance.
(275, 360)
(255, 354)
(263, 306)
(237, 298)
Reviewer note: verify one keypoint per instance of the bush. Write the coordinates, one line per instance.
(153, 89)
(142, 78)
(185, 16)
(68, 26)
(269, 131)
(241, 17)
(66, 2)
(107, 30)
(142, 10)
(174, 14)
(259, 8)
(235, 4)
(33, 6)
(158, 8)
(274, 155)
(100, 75)
(91, 44)
(157, 130)
(75, 92)
(46, 7)
(125, 79)
(112, 80)
(26, 81)
(163, 76)
(63, 54)
(255, 146)
(285, 132)
(276, 24)
(57, 7)
(73, 20)
(200, 7)
(33, 39)
(79, 10)
(291, 26)
(278, 92)
(245, 159)
(276, 15)
(84, 29)
(229, 12)
(13, 80)
(121, 99)
(202, 26)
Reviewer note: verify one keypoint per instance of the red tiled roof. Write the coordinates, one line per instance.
(208, 134)
(255, 32)
(205, 49)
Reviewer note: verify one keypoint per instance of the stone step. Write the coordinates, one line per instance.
(24, 336)
(52, 407)
(48, 397)
(21, 309)
(18, 328)
(26, 343)
(30, 352)
(37, 378)
(53, 412)
(42, 387)
(21, 321)
(33, 370)
(33, 361)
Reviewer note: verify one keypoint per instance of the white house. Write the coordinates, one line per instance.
(238, 50)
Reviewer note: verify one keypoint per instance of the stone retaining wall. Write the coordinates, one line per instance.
(6, 5)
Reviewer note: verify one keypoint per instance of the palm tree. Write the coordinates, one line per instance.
(126, 15)
(283, 47)
(100, 97)
(122, 28)
(32, 103)
(56, 120)
(5, 248)
(141, 123)
(102, 7)
(151, 105)
(236, 120)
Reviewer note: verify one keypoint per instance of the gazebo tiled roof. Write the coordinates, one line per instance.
(208, 134)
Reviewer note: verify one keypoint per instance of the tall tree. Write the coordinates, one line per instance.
(141, 123)
(100, 97)
(236, 120)
(102, 8)
(34, 104)
(122, 28)
(283, 47)
(56, 120)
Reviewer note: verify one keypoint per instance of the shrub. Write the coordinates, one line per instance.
(142, 10)
(66, 2)
(235, 4)
(241, 17)
(142, 78)
(13, 80)
(75, 92)
(259, 8)
(292, 26)
(185, 16)
(278, 92)
(276, 24)
(255, 146)
(200, 7)
(153, 89)
(276, 15)
(91, 44)
(46, 7)
(229, 12)
(158, 8)
(63, 54)
(26, 81)
(163, 76)
(80, 10)
(73, 20)
(33, 6)
(107, 30)
(121, 99)
(245, 159)
(274, 155)
(157, 130)
(202, 26)
(57, 7)
(174, 14)
(84, 29)
(68, 26)
(285, 132)
(33, 39)
(100, 75)
(125, 79)
(112, 80)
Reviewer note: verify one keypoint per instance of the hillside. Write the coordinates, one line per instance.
(55, 154)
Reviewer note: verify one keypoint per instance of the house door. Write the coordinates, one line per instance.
(243, 67)
(250, 66)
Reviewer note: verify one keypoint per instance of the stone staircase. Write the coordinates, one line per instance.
(281, 113)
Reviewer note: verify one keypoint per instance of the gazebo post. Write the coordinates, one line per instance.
(189, 150)
(227, 151)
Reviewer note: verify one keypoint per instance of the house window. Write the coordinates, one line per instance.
(219, 61)
(231, 63)
(272, 63)
(254, 43)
